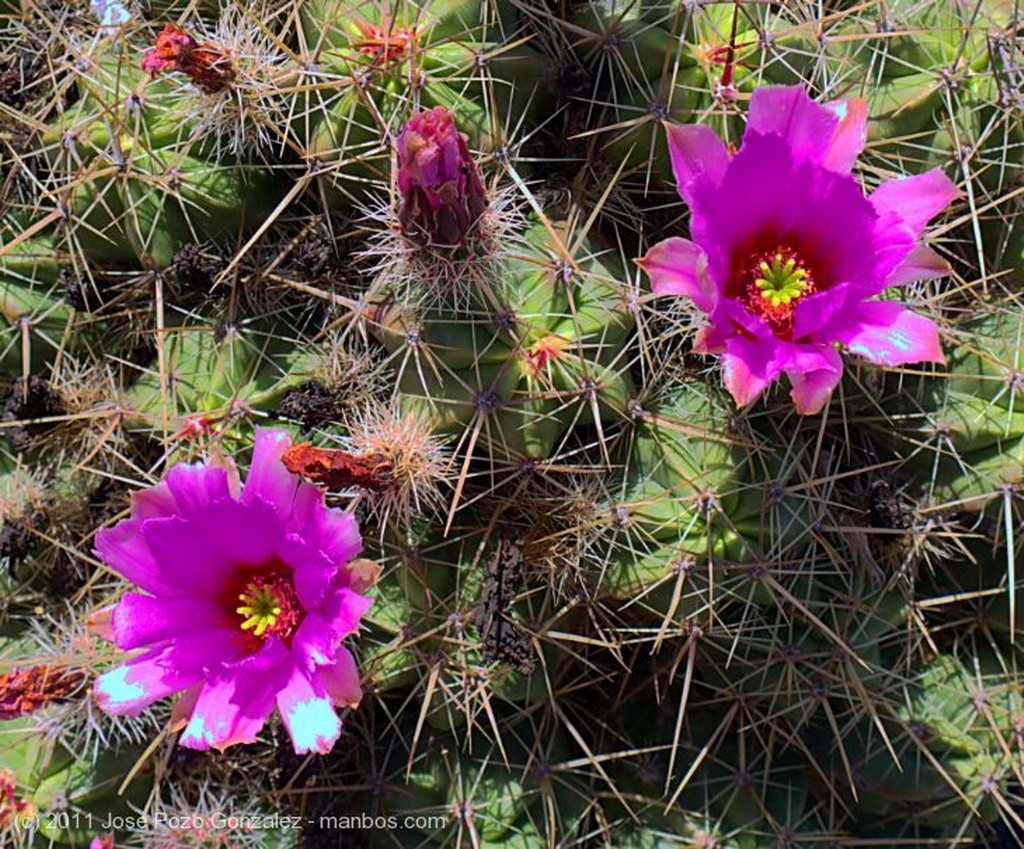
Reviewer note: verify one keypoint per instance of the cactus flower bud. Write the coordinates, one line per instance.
(443, 198)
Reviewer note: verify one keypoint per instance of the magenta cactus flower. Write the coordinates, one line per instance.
(247, 595)
(787, 253)
(442, 196)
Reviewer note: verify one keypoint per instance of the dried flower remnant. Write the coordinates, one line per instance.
(386, 43)
(787, 252)
(336, 468)
(248, 593)
(24, 691)
(442, 197)
(207, 64)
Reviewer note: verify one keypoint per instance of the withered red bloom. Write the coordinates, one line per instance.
(386, 43)
(443, 198)
(207, 64)
(336, 468)
(24, 691)
(10, 805)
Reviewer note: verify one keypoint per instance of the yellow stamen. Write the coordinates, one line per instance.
(261, 608)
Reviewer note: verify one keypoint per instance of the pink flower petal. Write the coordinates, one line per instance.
(922, 263)
(850, 135)
(318, 638)
(755, 197)
(187, 563)
(814, 378)
(141, 620)
(748, 367)
(308, 714)
(332, 531)
(341, 680)
(886, 333)
(313, 571)
(679, 267)
(153, 503)
(240, 533)
(195, 485)
(696, 152)
(230, 709)
(125, 550)
(268, 479)
(788, 111)
(915, 200)
(134, 686)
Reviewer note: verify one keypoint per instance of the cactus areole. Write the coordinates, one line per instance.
(249, 592)
(787, 252)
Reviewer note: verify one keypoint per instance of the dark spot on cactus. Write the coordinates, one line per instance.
(500, 155)
(17, 539)
(819, 690)
(487, 402)
(311, 404)
(573, 81)
(317, 254)
(12, 87)
(612, 42)
(683, 566)
(743, 779)
(226, 330)
(65, 576)
(481, 59)
(621, 516)
(412, 555)
(757, 572)
(506, 320)
(920, 730)
(659, 110)
(707, 503)
(886, 510)
(195, 271)
(790, 653)
(564, 272)
(776, 493)
(766, 40)
(80, 292)
(23, 402)
(951, 78)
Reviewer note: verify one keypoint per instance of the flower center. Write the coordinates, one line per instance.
(776, 281)
(269, 606)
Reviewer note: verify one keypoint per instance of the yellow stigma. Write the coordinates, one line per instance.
(781, 282)
(261, 607)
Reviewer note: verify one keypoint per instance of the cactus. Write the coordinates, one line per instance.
(614, 607)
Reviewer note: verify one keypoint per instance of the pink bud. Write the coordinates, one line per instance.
(443, 198)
